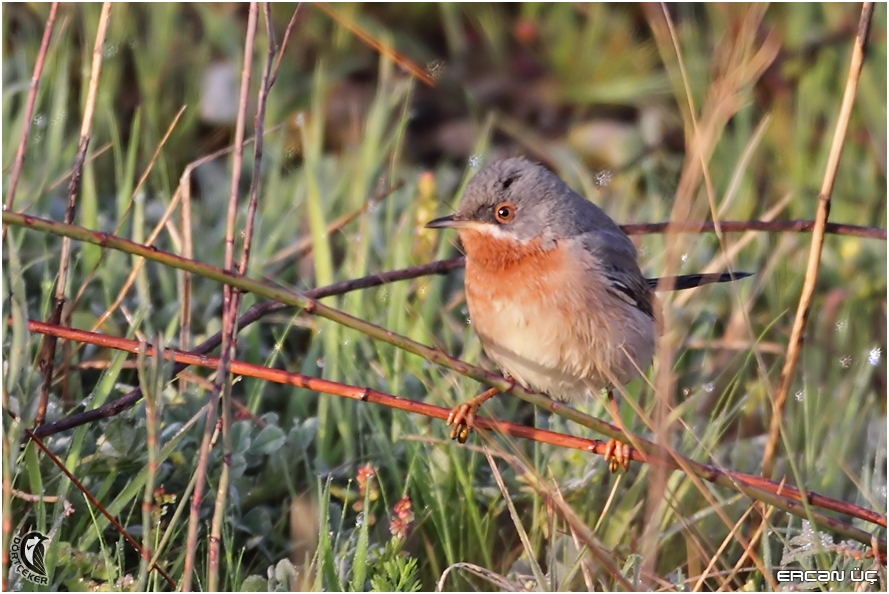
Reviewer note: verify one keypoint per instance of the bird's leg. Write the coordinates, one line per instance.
(617, 453)
(462, 417)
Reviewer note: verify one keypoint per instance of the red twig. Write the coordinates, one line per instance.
(368, 395)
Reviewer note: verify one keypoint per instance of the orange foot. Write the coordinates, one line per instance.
(462, 417)
(617, 454)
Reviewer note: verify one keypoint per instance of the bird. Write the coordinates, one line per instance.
(554, 290)
(33, 553)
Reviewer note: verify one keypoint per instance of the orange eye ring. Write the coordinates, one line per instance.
(504, 212)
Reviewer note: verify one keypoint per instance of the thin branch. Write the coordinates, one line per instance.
(311, 305)
(48, 351)
(222, 384)
(823, 210)
(137, 265)
(793, 225)
(383, 48)
(29, 106)
(255, 313)
(263, 309)
(95, 503)
(284, 44)
(787, 497)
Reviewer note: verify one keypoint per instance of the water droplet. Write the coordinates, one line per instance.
(346, 342)
(435, 68)
(320, 362)
(39, 120)
(799, 395)
(685, 257)
(299, 119)
(422, 290)
(359, 520)
(603, 178)
(846, 361)
(468, 321)
(475, 162)
(873, 357)
(841, 325)
(709, 387)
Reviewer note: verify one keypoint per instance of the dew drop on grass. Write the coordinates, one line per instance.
(603, 178)
(359, 520)
(468, 321)
(685, 257)
(39, 120)
(475, 162)
(435, 69)
(709, 387)
(799, 395)
(346, 342)
(873, 357)
(846, 361)
(320, 362)
(841, 325)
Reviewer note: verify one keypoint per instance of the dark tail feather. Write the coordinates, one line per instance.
(690, 281)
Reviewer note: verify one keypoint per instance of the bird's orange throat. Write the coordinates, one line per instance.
(489, 254)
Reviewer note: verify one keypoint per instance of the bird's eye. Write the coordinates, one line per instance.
(504, 212)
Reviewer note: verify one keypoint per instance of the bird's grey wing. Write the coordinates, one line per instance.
(615, 257)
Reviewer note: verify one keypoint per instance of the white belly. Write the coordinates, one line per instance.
(562, 356)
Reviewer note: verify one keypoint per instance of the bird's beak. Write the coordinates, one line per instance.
(448, 222)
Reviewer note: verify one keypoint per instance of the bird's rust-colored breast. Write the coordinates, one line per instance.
(498, 267)
(524, 303)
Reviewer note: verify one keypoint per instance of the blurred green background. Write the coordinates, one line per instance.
(595, 92)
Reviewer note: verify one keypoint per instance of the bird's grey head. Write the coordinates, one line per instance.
(524, 201)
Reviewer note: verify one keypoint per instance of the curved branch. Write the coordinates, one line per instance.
(782, 496)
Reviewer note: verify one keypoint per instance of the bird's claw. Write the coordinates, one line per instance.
(617, 454)
(462, 420)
